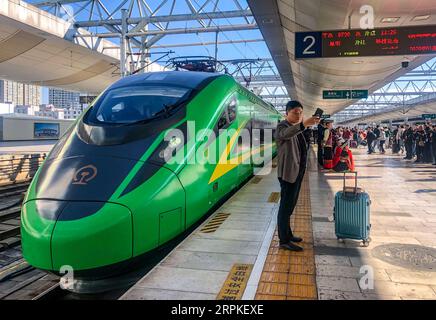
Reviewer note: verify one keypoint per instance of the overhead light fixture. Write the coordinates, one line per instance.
(421, 18)
(390, 19)
(358, 62)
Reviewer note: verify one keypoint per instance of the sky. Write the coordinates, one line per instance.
(254, 50)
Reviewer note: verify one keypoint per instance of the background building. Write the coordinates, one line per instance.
(7, 108)
(72, 113)
(50, 111)
(19, 93)
(86, 100)
(63, 99)
(26, 110)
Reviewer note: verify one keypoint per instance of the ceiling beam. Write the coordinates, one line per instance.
(174, 31)
(167, 18)
(199, 44)
(52, 2)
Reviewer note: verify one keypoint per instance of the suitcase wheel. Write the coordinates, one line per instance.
(366, 242)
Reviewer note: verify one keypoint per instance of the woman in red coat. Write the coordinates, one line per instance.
(343, 158)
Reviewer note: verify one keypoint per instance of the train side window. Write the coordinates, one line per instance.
(229, 115)
(223, 121)
(232, 109)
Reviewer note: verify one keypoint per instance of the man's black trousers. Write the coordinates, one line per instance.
(288, 201)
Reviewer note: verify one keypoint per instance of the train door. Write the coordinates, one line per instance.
(225, 173)
(243, 147)
(257, 142)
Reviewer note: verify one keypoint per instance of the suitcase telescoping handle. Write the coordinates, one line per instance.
(355, 181)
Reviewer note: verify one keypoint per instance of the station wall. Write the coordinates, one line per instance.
(27, 129)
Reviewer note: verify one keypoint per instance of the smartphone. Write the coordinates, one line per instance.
(318, 113)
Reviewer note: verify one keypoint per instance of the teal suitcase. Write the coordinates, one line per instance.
(352, 213)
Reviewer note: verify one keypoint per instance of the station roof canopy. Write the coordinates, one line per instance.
(305, 80)
(413, 109)
(86, 45)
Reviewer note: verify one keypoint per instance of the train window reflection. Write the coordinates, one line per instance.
(136, 103)
(223, 121)
(232, 110)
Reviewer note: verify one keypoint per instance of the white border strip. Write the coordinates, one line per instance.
(253, 281)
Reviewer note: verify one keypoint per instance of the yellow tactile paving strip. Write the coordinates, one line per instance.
(291, 275)
(215, 223)
(256, 180)
(236, 282)
(274, 197)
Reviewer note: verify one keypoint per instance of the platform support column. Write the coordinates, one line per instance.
(123, 42)
(145, 54)
(216, 48)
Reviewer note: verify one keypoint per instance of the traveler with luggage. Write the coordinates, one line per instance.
(370, 138)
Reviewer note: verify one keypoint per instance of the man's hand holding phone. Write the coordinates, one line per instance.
(311, 121)
(318, 113)
(315, 119)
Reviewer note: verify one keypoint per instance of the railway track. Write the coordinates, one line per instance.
(13, 189)
(19, 281)
(11, 198)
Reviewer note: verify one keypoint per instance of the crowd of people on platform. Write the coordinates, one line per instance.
(417, 142)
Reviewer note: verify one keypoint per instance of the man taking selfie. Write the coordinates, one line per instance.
(291, 167)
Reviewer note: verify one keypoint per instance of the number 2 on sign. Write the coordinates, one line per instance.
(310, 46)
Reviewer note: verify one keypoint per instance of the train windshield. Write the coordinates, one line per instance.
(136, 104)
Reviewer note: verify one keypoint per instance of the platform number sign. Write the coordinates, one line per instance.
(308, 45)
(387, 41)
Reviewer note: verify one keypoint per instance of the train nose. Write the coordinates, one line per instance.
(83, 235)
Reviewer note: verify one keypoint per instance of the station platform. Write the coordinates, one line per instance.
(402, 254)
(237, 235)
(234, 254)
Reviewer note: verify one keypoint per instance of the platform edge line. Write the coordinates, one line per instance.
(256, 273)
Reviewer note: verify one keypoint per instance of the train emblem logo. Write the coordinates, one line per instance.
(85, 175)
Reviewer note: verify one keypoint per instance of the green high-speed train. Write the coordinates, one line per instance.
(108, 193)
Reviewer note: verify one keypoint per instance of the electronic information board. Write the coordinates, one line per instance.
(412, 40)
